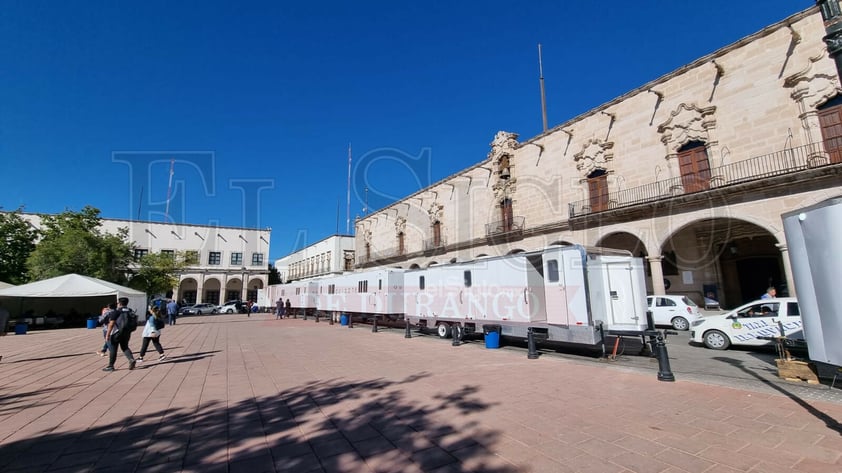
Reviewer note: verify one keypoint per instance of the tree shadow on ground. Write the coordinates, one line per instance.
(330, 426)
(830, 422)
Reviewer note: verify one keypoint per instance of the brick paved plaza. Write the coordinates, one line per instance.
(255, 394)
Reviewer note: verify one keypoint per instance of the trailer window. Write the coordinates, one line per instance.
(552, 270)
(379, 284)
(467, 279)
(331, 288)
(297, 291)
(421, 282)
(792, 309)
(362, 286)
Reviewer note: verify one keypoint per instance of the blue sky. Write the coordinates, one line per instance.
(254, 104)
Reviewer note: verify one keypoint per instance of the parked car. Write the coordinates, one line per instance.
(231, 307)
(199, 309)
(754, 324)
(676, 311)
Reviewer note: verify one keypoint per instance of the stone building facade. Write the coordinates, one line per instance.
(690, 171)
(332, 255)
(228, 262)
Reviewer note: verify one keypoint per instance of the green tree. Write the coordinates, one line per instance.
(274, 275)
(73, 242)
(157, 273)
(16, 244)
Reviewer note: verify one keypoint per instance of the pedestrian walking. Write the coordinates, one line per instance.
(103, 321)
(152, 333)
(288, 308)
(118, 335)
(172, 311)
(279, 309)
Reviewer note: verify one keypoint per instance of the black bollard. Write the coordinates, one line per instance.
(408, 334)
(317, 316)
(332, 315)
(350, 321)
(456, 332)
(530, 343)
(305, 314)
(659, 349)
(374, 325)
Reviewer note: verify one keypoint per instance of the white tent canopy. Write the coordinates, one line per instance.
(73, 286)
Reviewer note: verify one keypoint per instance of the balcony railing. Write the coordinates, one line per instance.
(761, 167)
(431, 244)
(513, 225)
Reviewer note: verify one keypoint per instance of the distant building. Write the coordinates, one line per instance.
(690, 171)
(228, 263)
(332, 255)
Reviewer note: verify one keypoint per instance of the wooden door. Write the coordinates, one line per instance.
(831, 124)
(598, 192)
(507, 215)
(695, 168)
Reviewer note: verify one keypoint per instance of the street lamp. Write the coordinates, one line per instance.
(832, 17)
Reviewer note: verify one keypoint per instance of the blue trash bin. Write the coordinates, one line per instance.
(343, 319)
(91, 323)
(20, 329)
(492, 336)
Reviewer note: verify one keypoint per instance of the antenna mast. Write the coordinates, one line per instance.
(543, 95)
(169, 189)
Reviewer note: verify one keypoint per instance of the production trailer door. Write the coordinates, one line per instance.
(618, 292)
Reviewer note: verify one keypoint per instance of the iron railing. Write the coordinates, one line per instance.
(506, 226)
(434, 243)
(761, 167)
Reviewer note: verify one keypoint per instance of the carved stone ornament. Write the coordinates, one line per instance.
(367, 235)
(503, 188)
(687, 123)
(595, 154)
(810, 88)
(504, 144)
(435, 211)
(400, 224)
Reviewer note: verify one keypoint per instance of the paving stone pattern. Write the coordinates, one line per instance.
(255, 394)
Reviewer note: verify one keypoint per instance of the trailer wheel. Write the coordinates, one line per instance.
(716, 340)
(444, 330)
(680, 323)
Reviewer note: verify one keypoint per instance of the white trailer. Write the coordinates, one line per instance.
(302, 295)
(814, 242)
(563, 293)
(378, 292)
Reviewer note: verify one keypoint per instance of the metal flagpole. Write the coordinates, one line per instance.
(543, 95)
(169, 189)
(348, 207)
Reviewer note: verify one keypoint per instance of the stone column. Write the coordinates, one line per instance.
(657, 274)
(244, 288)
(200, 289)
(790, 283)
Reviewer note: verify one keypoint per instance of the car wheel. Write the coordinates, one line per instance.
(716, 340)
(444, 330)
(229, 311)
(680, 323)
(213, 311)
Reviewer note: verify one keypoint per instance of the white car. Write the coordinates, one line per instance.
(753, 324)
(676, 311)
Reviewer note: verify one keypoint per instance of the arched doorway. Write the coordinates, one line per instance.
(727, 259)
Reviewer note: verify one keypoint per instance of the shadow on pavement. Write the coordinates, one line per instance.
(830, 422)
(331, 425)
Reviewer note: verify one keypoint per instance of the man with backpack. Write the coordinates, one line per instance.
(121, 323)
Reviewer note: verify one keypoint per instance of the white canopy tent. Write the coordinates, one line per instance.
(71, 293)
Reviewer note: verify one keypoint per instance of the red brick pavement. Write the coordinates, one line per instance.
(256, 394)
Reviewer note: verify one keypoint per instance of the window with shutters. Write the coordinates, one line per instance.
(598, 190)
(695, 167)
